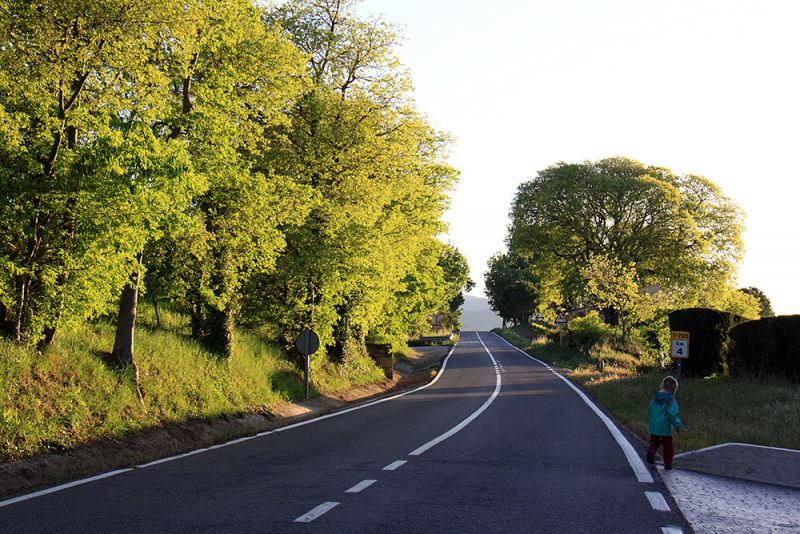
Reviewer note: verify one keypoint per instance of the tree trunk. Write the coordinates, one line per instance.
(123, 340)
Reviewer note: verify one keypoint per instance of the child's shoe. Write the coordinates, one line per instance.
(651, 457)
(668, 467)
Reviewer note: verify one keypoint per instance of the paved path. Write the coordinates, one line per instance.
(738, 489)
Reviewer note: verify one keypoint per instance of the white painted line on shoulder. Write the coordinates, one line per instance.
(361, 486)
(316, 512)
(671, 530)
(394, 465)
(657, 501)
(63, 486)
(636, 463)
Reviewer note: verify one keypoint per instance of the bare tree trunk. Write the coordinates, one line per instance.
(123, 340)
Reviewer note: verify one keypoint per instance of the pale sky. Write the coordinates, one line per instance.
(699, 87)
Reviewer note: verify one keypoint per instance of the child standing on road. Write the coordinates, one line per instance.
(663, 417)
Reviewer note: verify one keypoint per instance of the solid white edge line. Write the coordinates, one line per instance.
(657, 501)
(361, 406)
(468, 420)
(62, 486)
(394, 465)
(316, 512)
(361, 486)
(636, 463)
(240, 440)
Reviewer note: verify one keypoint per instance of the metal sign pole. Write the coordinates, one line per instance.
(561, 321)
(307, 343)
(306, 380)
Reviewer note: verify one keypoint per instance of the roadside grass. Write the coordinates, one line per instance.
(72, 393)
(714, 410)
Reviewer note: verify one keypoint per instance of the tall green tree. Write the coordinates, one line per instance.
(679, 232)
(512, 287)
(232, 76)
(612, 284)
(84, 176)
(765, 306)
(455, 270)
(377, 171)
(121, 120)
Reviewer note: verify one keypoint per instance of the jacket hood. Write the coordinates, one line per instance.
(662, 397)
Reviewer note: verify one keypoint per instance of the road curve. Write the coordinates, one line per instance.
(497, 443)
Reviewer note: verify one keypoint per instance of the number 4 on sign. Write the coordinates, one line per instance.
(680, 344)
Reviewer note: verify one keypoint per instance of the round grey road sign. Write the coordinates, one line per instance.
(307, 342)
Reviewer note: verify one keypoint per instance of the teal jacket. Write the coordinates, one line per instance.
(663, 414)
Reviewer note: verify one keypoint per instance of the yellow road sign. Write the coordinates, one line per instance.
(680, 344)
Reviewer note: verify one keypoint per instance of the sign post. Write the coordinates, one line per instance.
(680, 348)
(307, 343)
(561, 322)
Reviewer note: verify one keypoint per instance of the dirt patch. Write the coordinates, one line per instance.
(94, 458)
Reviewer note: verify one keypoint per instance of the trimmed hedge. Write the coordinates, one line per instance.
(768, 347)
(708, 339)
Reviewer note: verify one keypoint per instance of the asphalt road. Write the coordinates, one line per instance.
(497, 443)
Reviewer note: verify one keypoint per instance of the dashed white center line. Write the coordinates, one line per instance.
(316, 512)
(394, 465)
(657, 501)
(671, 530)
(364, 484)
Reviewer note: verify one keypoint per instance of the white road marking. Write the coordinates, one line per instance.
(468, 420)
(63, 486)
(394, 465)
(671, 530)
(361, 486)
(657, 501)
(316, 512)
(226, 444)
(636, 463)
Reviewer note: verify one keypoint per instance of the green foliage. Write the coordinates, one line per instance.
(708, 339)
(589, 330)
(765, 306)
(85, 178)
(118, 106)
(511, 286)
(364, 261)
(769, 347)
(678, 232)
(612, 284)
(255, 155)
(268, 165)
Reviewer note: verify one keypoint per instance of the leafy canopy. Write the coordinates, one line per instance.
(679, 232)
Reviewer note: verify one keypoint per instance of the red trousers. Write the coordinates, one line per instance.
(657, 441)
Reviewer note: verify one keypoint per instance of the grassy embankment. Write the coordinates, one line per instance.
(714, 410)
(69, 394)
